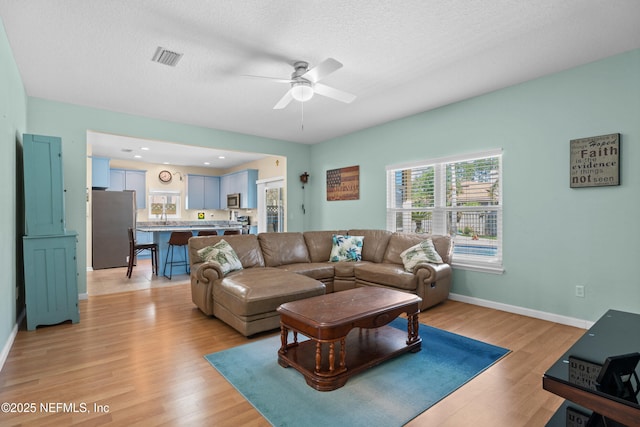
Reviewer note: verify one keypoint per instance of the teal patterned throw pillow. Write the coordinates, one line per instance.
(222, 254)
(422, 252)
(346, 248)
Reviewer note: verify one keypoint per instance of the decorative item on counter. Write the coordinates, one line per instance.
(200, 215)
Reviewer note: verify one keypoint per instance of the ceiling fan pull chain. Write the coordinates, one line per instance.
(302, 116)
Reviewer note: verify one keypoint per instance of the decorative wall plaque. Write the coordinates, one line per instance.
(343, 183)
(595, 161)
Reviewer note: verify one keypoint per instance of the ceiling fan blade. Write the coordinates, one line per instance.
(273, 79)
(322, 70)
(284, 101)
(333, 93)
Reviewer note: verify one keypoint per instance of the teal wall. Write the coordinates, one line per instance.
(554, 237)
(13, 122)
(71, 122)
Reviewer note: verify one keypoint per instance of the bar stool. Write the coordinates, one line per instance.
(136, 248)
(231, 232)
(177, 238)
(207, 233)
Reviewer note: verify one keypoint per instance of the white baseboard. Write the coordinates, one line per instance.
(543, 315)
(83, 295)
(7, 345)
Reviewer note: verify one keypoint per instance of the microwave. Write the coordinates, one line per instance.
(233, 201)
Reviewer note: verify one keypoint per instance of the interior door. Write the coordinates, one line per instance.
(275, 210)
(271, 206)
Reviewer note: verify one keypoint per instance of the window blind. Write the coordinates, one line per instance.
(459, 196)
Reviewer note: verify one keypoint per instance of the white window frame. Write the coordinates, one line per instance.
(489, 264)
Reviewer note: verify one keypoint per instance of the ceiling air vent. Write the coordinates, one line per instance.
(166, 57)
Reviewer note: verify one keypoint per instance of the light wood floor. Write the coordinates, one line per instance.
(114, 280)
(139, 356)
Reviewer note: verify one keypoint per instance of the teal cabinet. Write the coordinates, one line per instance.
(51, 281)
(43, 186)
(49, 251)
(100, 174)
(242, 182)
(130, 180)
(203, 192)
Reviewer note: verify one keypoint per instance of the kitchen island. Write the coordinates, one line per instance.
(160, 231)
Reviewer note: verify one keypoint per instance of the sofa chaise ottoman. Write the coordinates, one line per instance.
(247, 300)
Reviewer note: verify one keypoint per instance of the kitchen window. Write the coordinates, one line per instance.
(164, 205)
(459, 196)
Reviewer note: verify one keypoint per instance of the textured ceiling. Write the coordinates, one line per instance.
(400, 58)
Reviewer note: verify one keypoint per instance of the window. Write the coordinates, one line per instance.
(460, 196)
(164, 205)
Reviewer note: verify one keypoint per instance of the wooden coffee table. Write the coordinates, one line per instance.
(347, 333)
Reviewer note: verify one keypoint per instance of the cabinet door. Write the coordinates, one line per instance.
(250, 188)
(225, 181)
(195, 192)
(211, 192)
(51, 283)
(116, 180)
(100, 174)
(137, 181)
(43, 186)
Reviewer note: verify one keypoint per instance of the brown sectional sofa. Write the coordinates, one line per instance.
(282, 267)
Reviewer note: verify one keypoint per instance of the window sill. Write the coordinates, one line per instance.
(485, 268)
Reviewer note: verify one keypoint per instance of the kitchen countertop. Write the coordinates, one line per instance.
(150, 226)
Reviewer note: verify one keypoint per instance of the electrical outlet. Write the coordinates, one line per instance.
(580, 291)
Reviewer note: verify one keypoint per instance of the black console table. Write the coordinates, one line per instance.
(599, 375)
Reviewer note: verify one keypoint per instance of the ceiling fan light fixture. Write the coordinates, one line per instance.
(302, 91)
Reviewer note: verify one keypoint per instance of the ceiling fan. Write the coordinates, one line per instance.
(304, 83)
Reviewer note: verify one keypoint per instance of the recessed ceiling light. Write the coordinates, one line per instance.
(145, 148)
(166, 163)
(221, 157)
(138, 156)
(207, 163)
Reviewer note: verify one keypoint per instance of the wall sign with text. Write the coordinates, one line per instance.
(595, 161)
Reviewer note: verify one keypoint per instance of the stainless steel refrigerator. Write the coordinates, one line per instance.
(113, 212)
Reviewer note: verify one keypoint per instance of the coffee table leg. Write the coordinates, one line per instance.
(332, 356)
(412, 329)
(318, 356)
(284, 333)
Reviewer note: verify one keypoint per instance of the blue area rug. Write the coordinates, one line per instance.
(390, 394)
